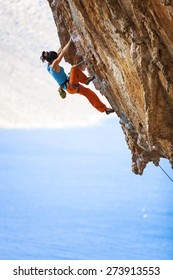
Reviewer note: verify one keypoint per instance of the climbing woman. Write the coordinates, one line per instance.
(72, 84)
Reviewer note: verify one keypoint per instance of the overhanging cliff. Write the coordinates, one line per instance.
(129, 45)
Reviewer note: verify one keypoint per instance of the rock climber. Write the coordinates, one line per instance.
(72, 84)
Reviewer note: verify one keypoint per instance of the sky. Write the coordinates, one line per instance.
(29, 96)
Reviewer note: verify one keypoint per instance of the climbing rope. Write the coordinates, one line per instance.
(162, 167)
(79, 63)
(165, 172)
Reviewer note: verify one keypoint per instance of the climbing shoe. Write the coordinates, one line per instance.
(109, 111)
(90, 79)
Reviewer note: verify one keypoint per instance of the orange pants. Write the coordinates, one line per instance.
(76, 77)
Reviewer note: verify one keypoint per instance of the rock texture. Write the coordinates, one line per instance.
(129, 45)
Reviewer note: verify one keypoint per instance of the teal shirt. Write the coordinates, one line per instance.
(60, 76)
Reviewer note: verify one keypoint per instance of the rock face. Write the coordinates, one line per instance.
(128, 44)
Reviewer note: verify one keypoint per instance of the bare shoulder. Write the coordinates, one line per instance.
(55, 66)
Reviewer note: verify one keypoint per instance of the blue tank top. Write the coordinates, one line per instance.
(60, 76)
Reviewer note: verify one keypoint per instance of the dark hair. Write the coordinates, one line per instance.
(48, 56)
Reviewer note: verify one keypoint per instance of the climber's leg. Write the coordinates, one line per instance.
(90, 95)
(77, 76)
(92, 98)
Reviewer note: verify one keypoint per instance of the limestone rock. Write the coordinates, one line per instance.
(129, 45)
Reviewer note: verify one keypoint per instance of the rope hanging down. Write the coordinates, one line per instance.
(165, 173)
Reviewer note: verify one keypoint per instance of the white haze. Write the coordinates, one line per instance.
(28, 94)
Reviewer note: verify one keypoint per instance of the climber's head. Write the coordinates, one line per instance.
(48, 56)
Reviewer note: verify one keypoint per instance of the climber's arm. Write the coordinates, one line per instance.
(62, 53)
